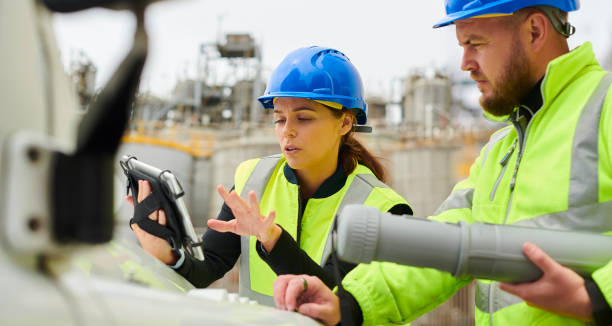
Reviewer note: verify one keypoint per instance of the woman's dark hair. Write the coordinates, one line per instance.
(352, 152)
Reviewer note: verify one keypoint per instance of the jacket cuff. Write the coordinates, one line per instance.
(361, 294)
(350, 311)
(280, 250)
(185, 265)
(180, 261)
(602, 313)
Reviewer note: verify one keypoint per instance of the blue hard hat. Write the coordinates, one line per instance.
(462, 9)
(319, 74)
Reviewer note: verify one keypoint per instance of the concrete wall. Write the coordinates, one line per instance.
(423, 176)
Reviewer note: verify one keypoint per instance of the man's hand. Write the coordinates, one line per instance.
(307, 295)
(560, 290)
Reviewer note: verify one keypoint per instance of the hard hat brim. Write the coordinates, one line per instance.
(352, 103)
(484, 10)
(505, 7)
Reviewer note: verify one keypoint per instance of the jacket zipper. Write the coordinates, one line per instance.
(503, 163)
(522, 138)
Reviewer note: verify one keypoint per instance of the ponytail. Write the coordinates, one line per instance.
(352, 152)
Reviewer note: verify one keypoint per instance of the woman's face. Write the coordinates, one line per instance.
(308, 133)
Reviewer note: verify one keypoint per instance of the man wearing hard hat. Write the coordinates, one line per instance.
(550, 168)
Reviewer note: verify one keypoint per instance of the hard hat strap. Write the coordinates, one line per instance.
(558, 20)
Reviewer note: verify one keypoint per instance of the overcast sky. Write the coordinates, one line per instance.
(385, 39)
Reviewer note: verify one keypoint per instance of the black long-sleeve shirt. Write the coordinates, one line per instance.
(221, 250)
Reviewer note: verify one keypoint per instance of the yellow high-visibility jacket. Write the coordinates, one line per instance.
(553, 172)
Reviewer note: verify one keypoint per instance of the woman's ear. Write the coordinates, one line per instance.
(347, 123)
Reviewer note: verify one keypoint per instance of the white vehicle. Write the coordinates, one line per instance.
(60, 262)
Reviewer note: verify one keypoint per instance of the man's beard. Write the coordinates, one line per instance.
(512, 86)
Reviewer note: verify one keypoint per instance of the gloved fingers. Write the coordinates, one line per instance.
(144, 190)
(162, 217)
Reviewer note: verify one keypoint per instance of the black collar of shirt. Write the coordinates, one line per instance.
(532, 102)
(330, 186)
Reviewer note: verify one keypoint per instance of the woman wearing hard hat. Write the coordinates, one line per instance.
(279, 216)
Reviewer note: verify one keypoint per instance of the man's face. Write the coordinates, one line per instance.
(495, 57)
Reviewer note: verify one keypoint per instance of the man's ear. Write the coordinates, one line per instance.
(538, 28)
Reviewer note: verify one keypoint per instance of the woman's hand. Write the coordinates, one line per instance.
(155, 246)
(307, 295)
(247, 219)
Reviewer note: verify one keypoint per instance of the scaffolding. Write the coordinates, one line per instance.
(228, 80)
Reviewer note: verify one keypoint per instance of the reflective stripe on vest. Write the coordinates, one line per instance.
(357, 193)
(495, 138)
(584, 212)
(484, 291)
(461, 198)
(257, 181)
(583, 187)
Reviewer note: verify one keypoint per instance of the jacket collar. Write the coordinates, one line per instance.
(566, 68)
(529, 105)
(330, 186)
(560, 72)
